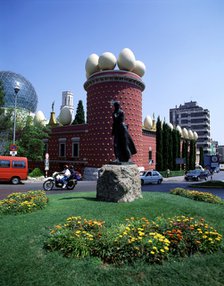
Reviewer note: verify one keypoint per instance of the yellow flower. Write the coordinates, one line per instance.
(152, 252)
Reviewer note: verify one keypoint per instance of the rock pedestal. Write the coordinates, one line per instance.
(119, 183)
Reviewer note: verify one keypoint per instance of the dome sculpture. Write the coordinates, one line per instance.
(148, 122)
(26, 97)
(65, 116)
(107, 61)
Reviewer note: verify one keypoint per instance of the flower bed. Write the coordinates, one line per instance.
(150, 241)
(23, 202)
(198, 196)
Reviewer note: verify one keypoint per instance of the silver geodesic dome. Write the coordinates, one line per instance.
(26, 97)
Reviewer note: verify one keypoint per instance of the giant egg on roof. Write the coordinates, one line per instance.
(65, 116)
(178, 128)
(185, 133)
(170, 125)
(195, 135)
(39, 117)
(126, 60)
(92, 64)
(107, 61)
(139, 68)
(148, 122)
(191, 135)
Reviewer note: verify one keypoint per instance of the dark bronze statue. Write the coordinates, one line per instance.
(124, 146)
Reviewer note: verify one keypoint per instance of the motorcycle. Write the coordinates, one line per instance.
(55, 181)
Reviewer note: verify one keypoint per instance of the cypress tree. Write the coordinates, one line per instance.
(191, 156)
(201, 160)
(80, 115)
(159, 145)
(176, 148)
(170, 149)
(165, 146)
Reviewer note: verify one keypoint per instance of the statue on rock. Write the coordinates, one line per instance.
(124, 146)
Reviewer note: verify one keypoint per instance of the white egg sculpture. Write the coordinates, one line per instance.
(107, 61)
(185, 133)
(139, 68)
(178, 128)
(190, 134)
(148, 122)
(126, 60)
(170, 126)
(92, 64)
(65, 116)
(195, 135)
(39, 117)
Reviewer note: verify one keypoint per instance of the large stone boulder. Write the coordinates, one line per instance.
(119, 183)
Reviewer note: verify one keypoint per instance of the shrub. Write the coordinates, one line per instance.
(198, 196)
(152, 242)
(36, 173)
(23, 203)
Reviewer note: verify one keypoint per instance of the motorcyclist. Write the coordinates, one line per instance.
(66, 172)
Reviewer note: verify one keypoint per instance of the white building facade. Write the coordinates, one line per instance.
(192, 116)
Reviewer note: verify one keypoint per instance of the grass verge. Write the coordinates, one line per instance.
(209, 184)
(25, 262)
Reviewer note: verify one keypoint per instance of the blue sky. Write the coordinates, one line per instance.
(181, 42)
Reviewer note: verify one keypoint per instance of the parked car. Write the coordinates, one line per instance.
(150, 177)
(196, 175)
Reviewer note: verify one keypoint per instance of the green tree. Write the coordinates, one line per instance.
(6, 116)
(1, 95)
(30, 140)
(80, 114)
(159, 145)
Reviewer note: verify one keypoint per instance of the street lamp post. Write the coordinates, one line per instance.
(16, 89)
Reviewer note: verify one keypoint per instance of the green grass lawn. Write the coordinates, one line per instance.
(23, 261)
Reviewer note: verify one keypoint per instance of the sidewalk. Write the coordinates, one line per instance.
(174, 179)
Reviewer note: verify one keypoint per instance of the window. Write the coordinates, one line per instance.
(75, 147)
(4, 164)
(62, 147)
(18, 164)
(150, 155)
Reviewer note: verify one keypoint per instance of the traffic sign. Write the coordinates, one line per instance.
(13, 147)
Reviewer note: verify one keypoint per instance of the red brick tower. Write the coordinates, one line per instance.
(102, 88)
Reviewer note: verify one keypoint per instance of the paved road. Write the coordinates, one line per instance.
(90, 186)
(6, 189)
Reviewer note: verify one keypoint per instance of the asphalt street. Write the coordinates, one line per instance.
(90, 186)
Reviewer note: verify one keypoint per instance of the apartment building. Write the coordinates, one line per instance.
(194, 117)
